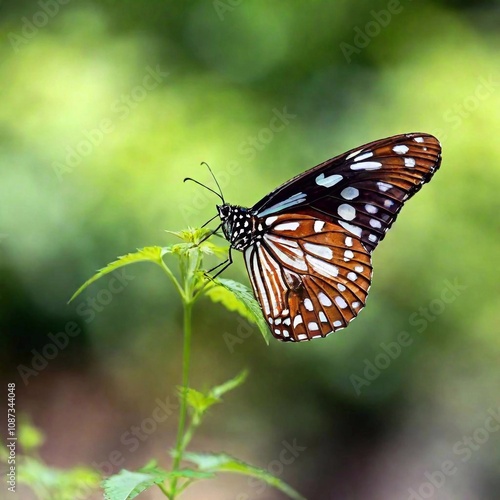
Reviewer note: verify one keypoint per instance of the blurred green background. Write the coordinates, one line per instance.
(107, 106)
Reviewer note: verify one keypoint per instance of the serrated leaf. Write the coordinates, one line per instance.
(211, 462)
(237, 297)
(152, 254)
(198, 401)
(221, 389)
(127, 484)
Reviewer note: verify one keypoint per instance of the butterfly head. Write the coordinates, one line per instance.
(237, 225)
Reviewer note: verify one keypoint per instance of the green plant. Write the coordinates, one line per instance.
(48, 483)
(192, 284)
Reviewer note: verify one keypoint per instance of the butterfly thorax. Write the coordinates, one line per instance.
(237, 225)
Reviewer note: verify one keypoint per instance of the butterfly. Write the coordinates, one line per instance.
(307, 245)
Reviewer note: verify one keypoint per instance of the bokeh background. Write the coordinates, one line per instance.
(93, 153)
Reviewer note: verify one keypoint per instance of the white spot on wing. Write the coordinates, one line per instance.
(313, 326)
(352, 276)
(348, 254)
(372, 238)
(341, 287)
(356, 230)
(329, 181)
(349, 193)
(308, 304)
(359, 269)
(340, 302)
(353, 154)
(322, 317)
(409, 162)
(270, 220)
(348, 241)
(418, 139)
(296, 199)
(287, 226)
(388, 203)
(318, 225)
(336, 324)
(375, 223)
(384, 186)
(366, 165)
(371, 209)
(324, 299)
(401, 149)
(346, 211)
(297, 320)
(319, 250)
(302, 336)
(364, 156)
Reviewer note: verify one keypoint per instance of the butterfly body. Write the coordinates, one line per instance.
(308, 244)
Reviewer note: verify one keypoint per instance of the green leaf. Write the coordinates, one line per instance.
(59, 483)
(30, 438)
(152, 254)
(211, 462)
(219, 390)
(237, 297)
(198, 401)
(127, 485)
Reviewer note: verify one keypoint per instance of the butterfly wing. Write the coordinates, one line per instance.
(363, 190)
(309, 276)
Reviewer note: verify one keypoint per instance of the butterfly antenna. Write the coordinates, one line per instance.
(210, 220)
(206, 187)
(215, 179)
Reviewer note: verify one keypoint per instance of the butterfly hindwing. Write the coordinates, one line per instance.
(309, 276)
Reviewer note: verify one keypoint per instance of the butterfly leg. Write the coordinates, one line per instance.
(225, 265)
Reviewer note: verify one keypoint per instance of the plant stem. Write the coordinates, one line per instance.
(186, 358)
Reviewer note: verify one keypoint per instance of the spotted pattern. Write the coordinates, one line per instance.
(329, 181)
(308, 244)
(305, 285)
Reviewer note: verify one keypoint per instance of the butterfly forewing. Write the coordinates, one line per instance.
(309, 276)
(362, 190)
